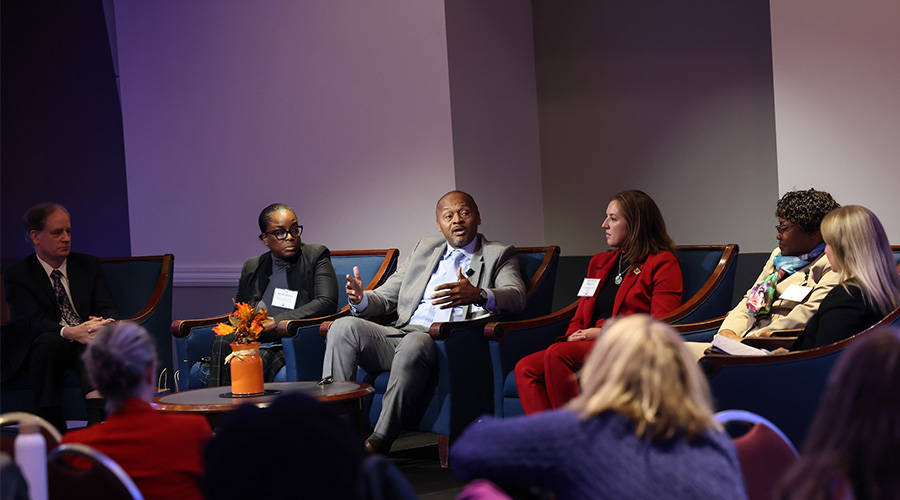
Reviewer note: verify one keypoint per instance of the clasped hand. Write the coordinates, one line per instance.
(459, 293)
(583, 334)
(84, 332)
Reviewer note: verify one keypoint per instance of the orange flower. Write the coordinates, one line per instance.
(223, 329)
(245, 323)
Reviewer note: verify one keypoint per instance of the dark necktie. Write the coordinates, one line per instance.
(65, 307)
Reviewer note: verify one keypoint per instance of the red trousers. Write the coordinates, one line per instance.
(546, 379)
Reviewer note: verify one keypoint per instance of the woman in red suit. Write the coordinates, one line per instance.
(639, 275)
(163, 453)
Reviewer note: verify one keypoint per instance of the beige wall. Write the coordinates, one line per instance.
(674, 99)
(837, 101)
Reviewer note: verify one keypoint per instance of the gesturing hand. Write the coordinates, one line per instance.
(459, 293)
(354, 286)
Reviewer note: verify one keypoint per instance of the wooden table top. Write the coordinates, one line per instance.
(209, 400)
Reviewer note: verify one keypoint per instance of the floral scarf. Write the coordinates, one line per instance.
(759, 302)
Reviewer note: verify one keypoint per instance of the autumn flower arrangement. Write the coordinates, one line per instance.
(245, 323)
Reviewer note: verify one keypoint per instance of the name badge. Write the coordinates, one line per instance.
(796, 293)
(588, 287)
(284, 298)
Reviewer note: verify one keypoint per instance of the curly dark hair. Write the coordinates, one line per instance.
(805, 208)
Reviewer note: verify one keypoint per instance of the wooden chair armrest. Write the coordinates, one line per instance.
(182, 327)
(700, 325)
(287, 327)
(769, 343)
(497, 330)
(159, 288)
(442, 331)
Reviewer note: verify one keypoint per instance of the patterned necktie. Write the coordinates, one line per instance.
(449, 267)
(65, 307)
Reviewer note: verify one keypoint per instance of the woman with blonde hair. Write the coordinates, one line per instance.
(163, 453)
(853, 447)
(641, 428)
(868, 283)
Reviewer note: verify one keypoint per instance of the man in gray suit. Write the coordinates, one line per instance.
(458, 276)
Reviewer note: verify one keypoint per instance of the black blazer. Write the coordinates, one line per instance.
(32, 301)
(842, 314)
(311, 275)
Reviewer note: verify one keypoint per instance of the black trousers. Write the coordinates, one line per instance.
(49, 358)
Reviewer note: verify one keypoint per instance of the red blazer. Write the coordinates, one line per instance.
(162, 453)
(654, 287)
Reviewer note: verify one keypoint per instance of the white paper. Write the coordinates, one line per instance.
(736, 348)
(588, 287)
(796, 293)
(284, 298)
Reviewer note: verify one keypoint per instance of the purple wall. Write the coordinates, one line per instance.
(61, 138)
(339, 109)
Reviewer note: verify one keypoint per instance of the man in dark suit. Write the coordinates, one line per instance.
(58, 300)
(459, 275)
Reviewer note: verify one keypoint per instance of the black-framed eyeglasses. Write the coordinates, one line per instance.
(782, 229)
(281, 234)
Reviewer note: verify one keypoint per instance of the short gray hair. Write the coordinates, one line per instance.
(116, 360)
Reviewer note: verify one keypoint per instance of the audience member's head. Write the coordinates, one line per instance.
(641, 369)
(859, 251)
(280, 230)
(121, 363)
(854, 440)
(645, 228)
(799, 215)
(295, 448)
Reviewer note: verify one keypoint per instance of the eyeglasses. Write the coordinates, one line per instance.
(281, 234)
(782, 229)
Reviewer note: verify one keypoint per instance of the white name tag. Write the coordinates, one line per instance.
(588, 287)
(796, 293)
(284, 298)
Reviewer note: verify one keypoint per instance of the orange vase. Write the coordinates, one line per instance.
(246, 370)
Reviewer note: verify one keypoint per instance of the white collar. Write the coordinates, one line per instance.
(49, 269)
(468, 250)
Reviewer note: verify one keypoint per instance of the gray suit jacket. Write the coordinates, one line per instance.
(494, 265)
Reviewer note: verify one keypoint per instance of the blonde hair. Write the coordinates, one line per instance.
(863, 255)
(642, 369)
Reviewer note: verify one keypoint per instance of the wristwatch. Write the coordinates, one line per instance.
(484, 296)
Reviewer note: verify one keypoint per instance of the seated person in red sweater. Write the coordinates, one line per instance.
(640, 275)
(163, 454)
(642, 428)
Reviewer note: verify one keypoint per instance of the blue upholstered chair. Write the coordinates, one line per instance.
(194, 337)
(462, 389)
(708, 273)
(142, 291)
(785, 388)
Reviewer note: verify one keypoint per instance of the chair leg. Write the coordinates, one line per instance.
(444, 450)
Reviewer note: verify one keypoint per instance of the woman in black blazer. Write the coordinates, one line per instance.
(869, 284)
